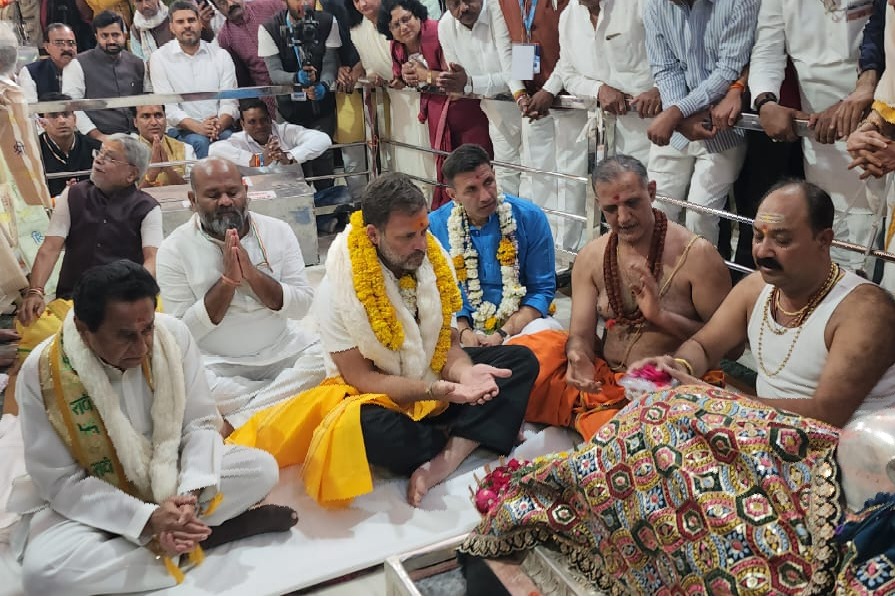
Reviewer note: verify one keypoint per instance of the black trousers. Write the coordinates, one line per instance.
(766, 163)
(324, 164)
(398, 443)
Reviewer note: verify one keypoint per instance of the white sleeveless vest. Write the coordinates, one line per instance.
(800, 376)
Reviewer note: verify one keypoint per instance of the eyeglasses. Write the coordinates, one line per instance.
(100, 155)
(394, 26)
(61, 43)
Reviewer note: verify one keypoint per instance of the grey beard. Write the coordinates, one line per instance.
(218, 225)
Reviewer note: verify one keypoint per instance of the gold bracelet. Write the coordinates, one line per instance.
(686, 364)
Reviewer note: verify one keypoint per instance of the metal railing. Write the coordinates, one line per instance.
(372, 96)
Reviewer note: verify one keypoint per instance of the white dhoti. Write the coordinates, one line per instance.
(505, 130)
(854, 199)
(539, 325)
(67, 557)
(406, 127)
(552, 143)
(241, 390)
(696, 176)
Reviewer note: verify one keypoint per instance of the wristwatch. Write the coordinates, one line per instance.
(763, 99)
(503, 333)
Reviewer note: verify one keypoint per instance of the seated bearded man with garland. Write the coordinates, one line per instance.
(502, 250)
(237, 279)
(654, 284)
(405, 396)
(128, 470)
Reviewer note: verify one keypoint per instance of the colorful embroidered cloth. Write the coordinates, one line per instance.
(686, 491)
(869, 544)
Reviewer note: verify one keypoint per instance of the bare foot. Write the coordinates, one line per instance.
(437, 470)
(269, 518)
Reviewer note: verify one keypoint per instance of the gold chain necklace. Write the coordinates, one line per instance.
(784, 311)
(767, 320)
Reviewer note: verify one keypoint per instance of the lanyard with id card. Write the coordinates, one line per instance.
(526, 57)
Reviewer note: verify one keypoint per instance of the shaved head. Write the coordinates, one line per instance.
(219, 196)
(211, 168)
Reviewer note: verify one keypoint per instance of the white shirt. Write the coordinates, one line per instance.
(190, 262)
(299, 143)
(210, 69)
(485, 51)
(62, 482)
(29, 87)
(150, 228)
(819, 43)
(268, 47)
(613, 53)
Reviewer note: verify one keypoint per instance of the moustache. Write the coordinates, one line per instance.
(768, 262)
(68, 53)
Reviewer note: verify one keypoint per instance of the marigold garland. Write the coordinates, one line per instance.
(451, 301)
(487, 316)
(369, 284)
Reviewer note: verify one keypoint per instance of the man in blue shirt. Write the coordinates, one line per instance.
(502, 250)
(697, 51)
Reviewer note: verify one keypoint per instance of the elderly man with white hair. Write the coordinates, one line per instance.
(131, 229)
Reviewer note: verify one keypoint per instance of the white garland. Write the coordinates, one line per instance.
(408, 295)
(512, 293)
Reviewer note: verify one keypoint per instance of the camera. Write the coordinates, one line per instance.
(302, 36)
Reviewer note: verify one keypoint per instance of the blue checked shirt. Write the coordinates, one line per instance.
(696, 53)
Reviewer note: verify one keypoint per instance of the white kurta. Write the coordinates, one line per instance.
(824, 47)
(296, 141)
(89, 540)
(613, 53)
(485, 52)
(376, 58)
(255, 357)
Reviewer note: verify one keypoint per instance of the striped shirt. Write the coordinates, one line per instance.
(696, 52)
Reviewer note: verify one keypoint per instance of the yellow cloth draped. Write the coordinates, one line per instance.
(77, 421)
(350, 121)
(81, 428)
(321, 429)
(49, 322)
(176, 152)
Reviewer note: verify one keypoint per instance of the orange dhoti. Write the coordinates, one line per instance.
(554, 402)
